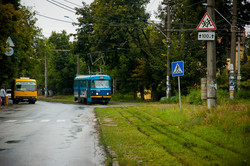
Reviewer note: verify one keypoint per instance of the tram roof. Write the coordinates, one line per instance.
(87, 77)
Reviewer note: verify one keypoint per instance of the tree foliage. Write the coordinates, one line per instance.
(23, 32)
(8, 24)
(61, 64)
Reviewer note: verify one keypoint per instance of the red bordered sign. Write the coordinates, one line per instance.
(206, 23)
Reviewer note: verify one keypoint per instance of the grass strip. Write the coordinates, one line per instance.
(152, 134)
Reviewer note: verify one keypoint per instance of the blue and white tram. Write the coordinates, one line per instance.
(92, 88)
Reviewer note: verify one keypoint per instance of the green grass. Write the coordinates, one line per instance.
(59, 98)
(160, 134)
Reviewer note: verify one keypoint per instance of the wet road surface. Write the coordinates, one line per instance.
(49, 134)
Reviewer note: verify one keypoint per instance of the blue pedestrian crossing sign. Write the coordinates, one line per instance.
(177, 68)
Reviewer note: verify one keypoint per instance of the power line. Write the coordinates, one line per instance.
(63, 4)
(73, 3)
(61, 7)
(151, 5)
(54, 18)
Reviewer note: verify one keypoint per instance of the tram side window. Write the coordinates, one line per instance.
(75, 84)
(93, 84)
(83, 83)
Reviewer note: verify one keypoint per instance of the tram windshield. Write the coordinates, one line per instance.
(101, 84)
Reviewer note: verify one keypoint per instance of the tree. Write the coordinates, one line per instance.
(116, 28)
(186, 14)
(8, 24)
(61, 64)
(24, 36)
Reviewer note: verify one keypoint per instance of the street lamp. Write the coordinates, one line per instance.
(168, 85)
(69, 18)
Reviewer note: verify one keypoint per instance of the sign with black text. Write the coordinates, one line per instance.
(206, 35)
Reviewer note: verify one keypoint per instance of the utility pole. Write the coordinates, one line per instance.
(78, 64)
(233, 51)
(238, 76)
(211, 63)
(233, 34)
(168, 85)
(46, 84)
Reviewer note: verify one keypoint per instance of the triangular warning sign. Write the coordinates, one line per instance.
(177, 69)
(10, 42)
(206, 23)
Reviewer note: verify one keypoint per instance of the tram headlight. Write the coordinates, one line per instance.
(97, 94)
(107, 93)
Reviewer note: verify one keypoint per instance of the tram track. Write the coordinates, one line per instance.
(193, 145)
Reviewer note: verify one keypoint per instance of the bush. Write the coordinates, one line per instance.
(195, 97)
(243, 94)
(223, 97)
(171, 100)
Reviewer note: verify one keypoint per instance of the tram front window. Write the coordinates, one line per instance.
(101, 83)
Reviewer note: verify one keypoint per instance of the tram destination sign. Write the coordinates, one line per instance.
(206, 36)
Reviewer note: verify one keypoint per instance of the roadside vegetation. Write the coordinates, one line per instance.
(58, 98)
(162, 134)
(159, 133)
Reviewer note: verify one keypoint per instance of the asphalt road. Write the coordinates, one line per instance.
(49, 134)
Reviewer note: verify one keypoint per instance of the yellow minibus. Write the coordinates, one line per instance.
(24, 89)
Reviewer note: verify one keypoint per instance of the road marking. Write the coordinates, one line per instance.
(60, 120)
(10, 121)
(45, 120)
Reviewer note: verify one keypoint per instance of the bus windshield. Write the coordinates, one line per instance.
(25, 86)
(101, 84)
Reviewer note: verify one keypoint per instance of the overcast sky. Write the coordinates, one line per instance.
(48, 12)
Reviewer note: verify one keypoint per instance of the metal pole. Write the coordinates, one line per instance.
(78, 64)
(211, 63)
(179, 89)
(238, 77)
(233, 34)
(233, 43)
(168, 85)
(46, 85)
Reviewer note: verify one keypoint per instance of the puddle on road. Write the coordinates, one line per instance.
(76, 129)
(13, 141)
(80, 108)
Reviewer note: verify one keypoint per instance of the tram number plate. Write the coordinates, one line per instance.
(206, 35)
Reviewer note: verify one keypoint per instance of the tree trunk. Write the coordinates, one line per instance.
(142, 93)
(154, 95)
(135, 95)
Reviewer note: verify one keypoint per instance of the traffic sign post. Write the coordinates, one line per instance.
(206, 23)
(206, 35)
(178, 70)
(10, 50)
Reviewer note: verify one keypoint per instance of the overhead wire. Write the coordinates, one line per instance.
(61, 7)
(73, 3)
(54, 18)
(63, 4)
